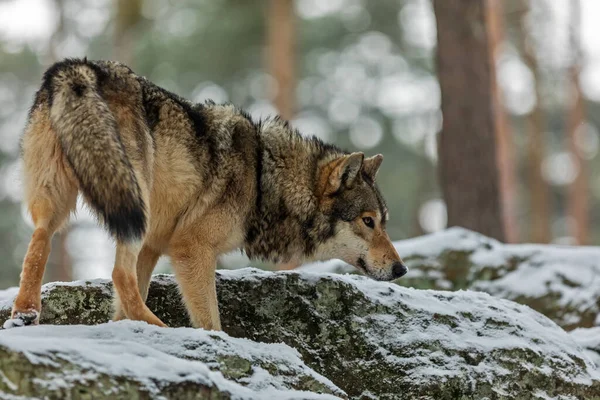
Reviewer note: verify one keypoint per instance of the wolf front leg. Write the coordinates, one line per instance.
(195, 272)
(146, 262)
(127, 294)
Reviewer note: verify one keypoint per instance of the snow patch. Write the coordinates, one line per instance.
(589, 340)
(571, 275)
(478, 323)
(153, 355)
(7, 297)
(92, 283)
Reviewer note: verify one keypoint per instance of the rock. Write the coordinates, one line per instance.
(130, 359)
(558, 281)
(589, 340)
(376, 339)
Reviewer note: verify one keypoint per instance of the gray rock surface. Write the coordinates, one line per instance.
(561, 282)
(374, 339)
(128, 359)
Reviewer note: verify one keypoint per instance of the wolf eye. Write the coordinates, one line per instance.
(369, 222)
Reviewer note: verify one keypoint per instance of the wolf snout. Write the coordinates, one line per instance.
(399, 269)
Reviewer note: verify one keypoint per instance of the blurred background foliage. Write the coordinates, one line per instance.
(360, 73)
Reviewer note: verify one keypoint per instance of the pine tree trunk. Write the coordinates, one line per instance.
(281, 55)
(578, 202)
(467, 144)
(539, 193)
(504, 135)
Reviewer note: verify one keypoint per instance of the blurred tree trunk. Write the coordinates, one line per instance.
(424, 170)
(60, 266)
(128, 15)
(578, 202)
(282, 54)
(504, 135)
(467, 144)
(539, 192)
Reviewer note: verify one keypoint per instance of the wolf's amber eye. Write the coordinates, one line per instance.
(369, 222)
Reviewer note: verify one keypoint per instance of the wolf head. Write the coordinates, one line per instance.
(350, 199)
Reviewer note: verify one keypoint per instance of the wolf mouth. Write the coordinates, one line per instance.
(362, 265)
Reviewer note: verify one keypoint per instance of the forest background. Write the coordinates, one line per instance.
(486, 111)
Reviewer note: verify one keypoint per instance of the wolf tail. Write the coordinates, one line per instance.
(89, 137)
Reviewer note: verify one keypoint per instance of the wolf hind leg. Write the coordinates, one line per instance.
(51, 195)
(49, 214)
(127, 294)
(146, 261)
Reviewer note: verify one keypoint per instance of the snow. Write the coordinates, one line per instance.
(492, 324)
(571, 274)
(480, 325)
(589, 340)
(427, 246)
(431, 245)
(7, 296)
(483, 325)
(335, 266)
(97, 283)
(141, 352)
(13, 323)
(574, 272)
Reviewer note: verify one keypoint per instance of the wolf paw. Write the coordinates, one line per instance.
(22, 319)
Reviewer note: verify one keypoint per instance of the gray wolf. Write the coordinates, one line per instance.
(191, 181)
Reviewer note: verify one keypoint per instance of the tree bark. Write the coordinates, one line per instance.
(504, 135)
(467, 145)
(577, 200)
(281, 55)
(539, 193)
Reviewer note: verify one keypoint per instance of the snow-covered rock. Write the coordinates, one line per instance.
(561, 282)
(589, 340)
(374, 340)
(135, 360)
(7, 296)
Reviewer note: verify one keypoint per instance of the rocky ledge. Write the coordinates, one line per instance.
(561, 282)
(345, 336)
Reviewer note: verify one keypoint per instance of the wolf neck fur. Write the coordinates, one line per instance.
(286, 222)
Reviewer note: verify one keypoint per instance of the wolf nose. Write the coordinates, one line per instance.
(399, 269)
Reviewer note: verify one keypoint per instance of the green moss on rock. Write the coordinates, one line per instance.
(377, 340)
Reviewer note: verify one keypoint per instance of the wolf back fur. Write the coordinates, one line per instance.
(192, 181)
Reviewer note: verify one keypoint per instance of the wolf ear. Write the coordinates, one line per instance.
(371, 165)
(343, 172)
